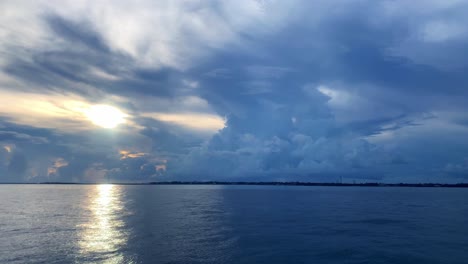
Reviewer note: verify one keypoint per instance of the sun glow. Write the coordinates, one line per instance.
(105, 116)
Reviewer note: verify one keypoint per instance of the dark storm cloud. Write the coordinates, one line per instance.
(78, 158)
(83, 64)
(351, 56)
(79, 34)
(18, 137)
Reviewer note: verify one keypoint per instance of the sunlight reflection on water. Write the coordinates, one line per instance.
(103, 233)
(231, 224)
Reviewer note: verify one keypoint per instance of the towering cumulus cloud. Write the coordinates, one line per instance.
(97, 91)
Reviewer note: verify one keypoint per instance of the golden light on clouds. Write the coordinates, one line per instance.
(75, 113)
(161, 167)
(125, 154)
(7, 148)
(64, 112)
(58, 163)
(41, 110)
(194, 121)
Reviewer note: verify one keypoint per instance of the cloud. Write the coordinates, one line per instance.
(432, 27)
(201, 122)
(153, 34)
(65, 113)
(57, 164)
(13, 136)
(256, 90)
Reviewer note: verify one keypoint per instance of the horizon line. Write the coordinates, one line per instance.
(258, 183)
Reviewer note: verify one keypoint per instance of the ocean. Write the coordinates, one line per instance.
(232, 224)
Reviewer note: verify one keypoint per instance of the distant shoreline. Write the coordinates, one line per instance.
(426, 185)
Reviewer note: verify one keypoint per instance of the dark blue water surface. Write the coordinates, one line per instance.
(232, 224)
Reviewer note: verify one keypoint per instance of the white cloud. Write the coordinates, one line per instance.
(173, 33)
(338, 99)
(194, 121)
(356, 102)
(440, 31)
(435, 31)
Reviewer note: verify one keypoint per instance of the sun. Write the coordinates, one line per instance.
(105, 116)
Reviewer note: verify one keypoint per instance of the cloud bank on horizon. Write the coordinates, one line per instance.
(247, 90)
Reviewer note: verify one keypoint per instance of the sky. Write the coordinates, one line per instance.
(234, 90)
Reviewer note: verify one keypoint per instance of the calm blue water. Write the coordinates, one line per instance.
(234, 224)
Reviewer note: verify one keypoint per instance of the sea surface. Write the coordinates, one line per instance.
(232, 224)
